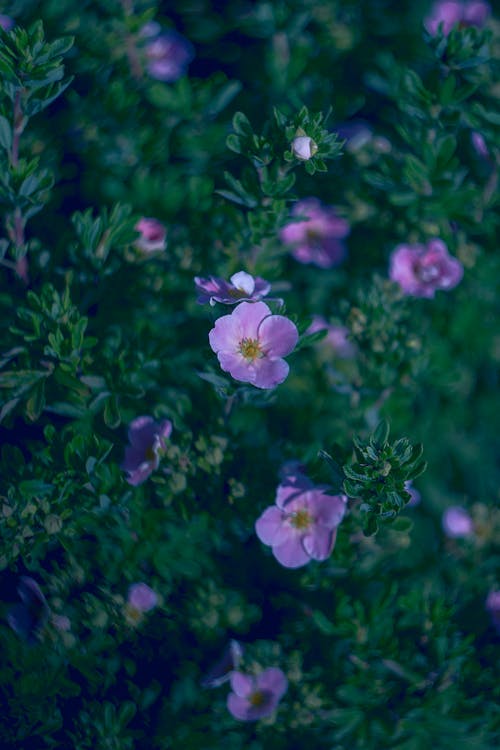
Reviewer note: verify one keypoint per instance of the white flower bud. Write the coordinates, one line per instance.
(303, 147)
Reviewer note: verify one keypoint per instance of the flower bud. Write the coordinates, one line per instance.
(303, 147)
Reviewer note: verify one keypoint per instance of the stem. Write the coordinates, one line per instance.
(130, 45)
(16, 230)
(17, 130)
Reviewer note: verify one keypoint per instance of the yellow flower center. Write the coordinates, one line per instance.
(301, 519)
(258, 698)
(250, 349)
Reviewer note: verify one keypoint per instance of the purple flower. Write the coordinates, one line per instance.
(141, 597)
(251, 342)
(493, 607)
(451, 13)
(6, 22)
(153, 235)
(420, 270)
(318, 238)
(167, 54)
(414, 494)
(147, 438)
(337, 337)
(241, 286)
(479, 144)
(255, 697)
(457, 522)
(302, 525)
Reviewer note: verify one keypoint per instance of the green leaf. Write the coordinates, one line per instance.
(5, 133)
(241, 124)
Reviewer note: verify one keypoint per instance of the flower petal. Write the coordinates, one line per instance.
(242, 684)
(225, 335)
(269, 372)
(291, 554)
(274, 681)
(278, 336)
(243, 281)
(238, 707)
(318, 544)
(270, 527)
(327, 510)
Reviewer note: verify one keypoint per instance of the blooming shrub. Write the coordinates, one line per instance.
(248, 375)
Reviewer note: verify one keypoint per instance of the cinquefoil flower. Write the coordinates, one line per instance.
(253, 698)
(450, 13)
(420, 270)
(318, 238)
(241, 286)
(141, 597)
(251, 342)
(147, 438)
(457, 522)
(153, 235)
(302, 525)
(167, 53)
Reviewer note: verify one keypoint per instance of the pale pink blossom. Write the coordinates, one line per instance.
(241, 286)
(457, 522)
(337, 337)
(152, 235)
(421, 270)
(253, 698)
(302, 525)
(167, 53)
(451, 13)
(6, 22)
(141, 597)
(414, 494)
(251, 342)
(147, 439)
(317, 238)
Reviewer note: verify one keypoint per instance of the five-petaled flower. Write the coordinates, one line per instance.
(251, 342)
(241, 286)
(147, 439)
(167, 53)
(141, 597)
(420, 270)
(302, 525)
(152, 235)
(318, 237)
(253, 698)
(451, 13)
(457, 522)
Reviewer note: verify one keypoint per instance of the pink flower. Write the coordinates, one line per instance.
(479, 144)
(251, 342)
(316, 239)
(302, 525)
(457, 522)
(141, 597)
(337, 337)
(6, 22)
(450, 13)
(153, 235)
(147, 439)
(420, 270)
(241, 286)
(255, 697)
(167, 54)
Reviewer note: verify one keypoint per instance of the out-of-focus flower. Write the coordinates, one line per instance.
(479, 144)
(167, 53)
(241, 286)
(141, 597)
(493, 607)
(336, 338)
(253, 698)
(302, 525)
(153, 235)
(251, 342)
(221, 671)
(303, 147)
(457, 522)
(420, 270)
(28, 617)
(414, 494)
(450, 13)
(318, 238)
(61, 623)
(6, 22)
(147, 439)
